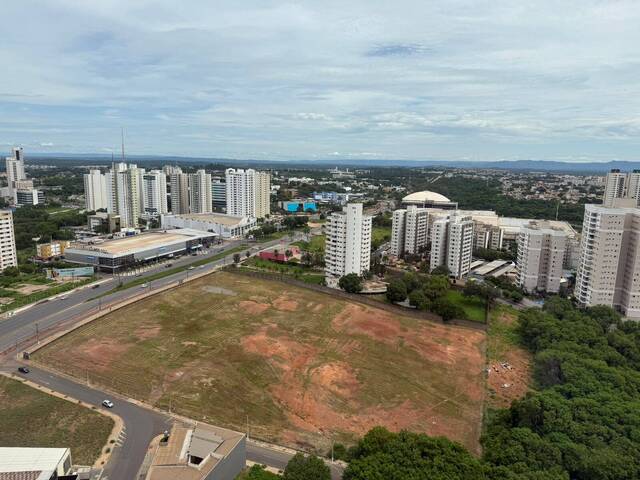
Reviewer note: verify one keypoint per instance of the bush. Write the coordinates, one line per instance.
(310, 467)
(396, 291)
(350, 283)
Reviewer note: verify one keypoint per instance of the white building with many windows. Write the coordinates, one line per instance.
(95, 190)
(179, 193)
(8, 256)
(248, 192)
(452, 244)
(348, 242)
(621, 185)
(542, 253)
(200, 192)
(15, 170)
(154, 188)
(409, 231)
(609, 265)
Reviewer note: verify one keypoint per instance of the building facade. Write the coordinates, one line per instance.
(609, 265)
(542, 252)
(409, 231)
(179, 193)
(348, 242)
(15, 170)
(8, 256)
(248, 192)
(95, 190)
(621, 185)
(219, 195)
(154, 188)
(29, 196)
(452, 244)
(200, 192)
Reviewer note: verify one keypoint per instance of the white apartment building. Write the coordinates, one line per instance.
(248, 193)
(154, 190)
(179, 193)
(452, 244)
(8, 256)
(200, 192)
(15, 170)
(111, 183)
(348, 243)
(609, 266)
(409, 231)
(542, 252)
(171, 170)
(95, 190)
(128, 195)
(621, 185)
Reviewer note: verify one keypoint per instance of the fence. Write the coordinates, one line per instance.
(362, 299)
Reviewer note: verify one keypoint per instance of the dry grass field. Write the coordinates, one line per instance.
(304, 367)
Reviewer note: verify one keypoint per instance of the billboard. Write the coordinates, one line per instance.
(72, 272)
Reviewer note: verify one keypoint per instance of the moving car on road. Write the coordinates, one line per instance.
(107, 403)
(23, 369)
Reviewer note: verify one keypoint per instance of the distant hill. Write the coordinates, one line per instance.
(524, 165)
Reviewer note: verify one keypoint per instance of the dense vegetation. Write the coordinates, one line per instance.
(582, 422)
(479, 194)
(32, 222)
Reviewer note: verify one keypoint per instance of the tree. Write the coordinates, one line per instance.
(236, 258)
(418, 299)
(436, 286)
(441, 270)
(302, 467)
(350, 283)
(396, 291)
(447, 309)
(11, 272)
(407, 456)
(287, 254)
(247, 254)
(258, 472)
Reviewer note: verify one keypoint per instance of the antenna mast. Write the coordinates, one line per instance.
(122, 138)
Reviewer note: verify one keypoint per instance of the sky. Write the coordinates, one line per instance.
(349, 79)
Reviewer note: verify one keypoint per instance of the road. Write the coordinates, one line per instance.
(141, 424)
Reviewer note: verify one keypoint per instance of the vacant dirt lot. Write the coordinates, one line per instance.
(304, 367)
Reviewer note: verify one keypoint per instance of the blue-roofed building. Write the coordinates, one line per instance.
(294, 206)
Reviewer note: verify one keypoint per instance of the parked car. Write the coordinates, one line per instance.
(168, 265)
(107, 403)
(23, 369)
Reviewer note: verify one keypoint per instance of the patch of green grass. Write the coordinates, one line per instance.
(502, 334)
(474, 307)
(21, 299)
(297, 271)
(379, 235)
(31, 418)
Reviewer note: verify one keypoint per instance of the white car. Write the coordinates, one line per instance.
(144, 285)
(107, 403)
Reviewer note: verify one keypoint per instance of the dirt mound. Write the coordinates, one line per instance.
(377, 324)
(253, 308)
(285, 304)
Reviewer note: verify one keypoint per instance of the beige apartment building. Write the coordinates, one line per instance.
(542, 251)
(409, 231)
(609, 266)
(8, 256)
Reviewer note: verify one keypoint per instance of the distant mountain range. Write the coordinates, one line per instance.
(524, 165)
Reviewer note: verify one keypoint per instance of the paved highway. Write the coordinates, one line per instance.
(141, 424)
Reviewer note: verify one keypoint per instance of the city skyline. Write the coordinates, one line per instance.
(341, 81)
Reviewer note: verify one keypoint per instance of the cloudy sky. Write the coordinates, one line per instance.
(344, 79)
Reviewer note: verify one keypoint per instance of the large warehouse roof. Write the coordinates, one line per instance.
(425, 196)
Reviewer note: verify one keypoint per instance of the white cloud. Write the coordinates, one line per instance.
(405, 79)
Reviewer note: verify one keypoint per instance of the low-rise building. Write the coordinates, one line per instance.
(299, 205)
(46, 251)
(114, 254)
(102, 222)
(29, 196)
(22, 463)
(225, 226)
(202, 452)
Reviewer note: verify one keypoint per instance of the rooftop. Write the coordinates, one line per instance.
(32, 460)
(203, 441)
(144, 241)
(222, 219)
(425, 196)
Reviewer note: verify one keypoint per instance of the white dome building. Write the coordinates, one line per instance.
(429, 199)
